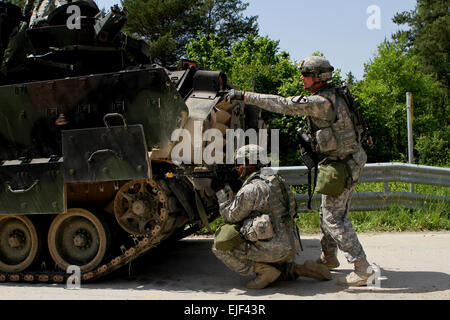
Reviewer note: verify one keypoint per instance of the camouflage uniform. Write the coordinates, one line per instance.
(261, 195)
(335, 136)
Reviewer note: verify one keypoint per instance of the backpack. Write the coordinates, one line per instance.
(361, 128)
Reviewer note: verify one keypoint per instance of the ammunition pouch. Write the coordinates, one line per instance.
(326, 140)
(227, 237)
(257, 228)
(333, 178)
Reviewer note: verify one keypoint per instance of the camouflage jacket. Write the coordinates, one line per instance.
(263, 195)
(331, 124)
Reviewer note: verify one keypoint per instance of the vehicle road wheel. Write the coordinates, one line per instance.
(19, 243)
(78, 237)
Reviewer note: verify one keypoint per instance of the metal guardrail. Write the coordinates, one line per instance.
(379, 172)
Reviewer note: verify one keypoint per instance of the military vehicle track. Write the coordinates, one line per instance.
(162, 230)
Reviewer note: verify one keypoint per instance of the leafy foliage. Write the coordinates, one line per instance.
(168, 24)
(382, 96)
(428, 36)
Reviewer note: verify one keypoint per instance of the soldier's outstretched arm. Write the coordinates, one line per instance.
(314, 106)
(252, 197)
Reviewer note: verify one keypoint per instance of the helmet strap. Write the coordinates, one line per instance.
(318, 84)
(248, 170)
(311, 87)
(244, 172)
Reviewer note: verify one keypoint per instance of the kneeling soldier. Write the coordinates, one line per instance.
(261, 216)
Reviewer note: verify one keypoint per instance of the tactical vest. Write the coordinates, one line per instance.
(281, 199)
(338, 140)
(282, 207)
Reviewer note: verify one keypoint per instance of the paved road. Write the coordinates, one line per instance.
(413, 266)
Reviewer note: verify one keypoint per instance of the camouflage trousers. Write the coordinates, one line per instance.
(337, 229)
(243, 258)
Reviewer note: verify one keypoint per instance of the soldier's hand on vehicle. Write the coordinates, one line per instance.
(224, 194)
(234, 95)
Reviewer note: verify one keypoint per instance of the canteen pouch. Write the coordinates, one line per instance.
(334, 177)
(227, 237)
(326, 140)
(257, 228)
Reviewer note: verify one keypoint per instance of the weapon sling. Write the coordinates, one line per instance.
(311, 160)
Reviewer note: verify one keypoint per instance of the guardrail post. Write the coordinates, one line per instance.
(409, 120)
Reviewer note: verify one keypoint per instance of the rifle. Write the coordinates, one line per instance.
(221, 174)
(311, 159)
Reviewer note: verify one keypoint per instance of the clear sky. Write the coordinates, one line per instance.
(336, 28)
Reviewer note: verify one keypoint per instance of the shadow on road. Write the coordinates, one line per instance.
(409, 282)
(189, 265)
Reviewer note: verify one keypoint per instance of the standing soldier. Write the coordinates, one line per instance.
(335, 136)
(262, 213)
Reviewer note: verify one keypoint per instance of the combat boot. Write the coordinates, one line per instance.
(265, 275)
(359, 277)
(313, 270)
(329, 259)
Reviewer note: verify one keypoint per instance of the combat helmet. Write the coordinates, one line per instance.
(317, 65)
(252, 152)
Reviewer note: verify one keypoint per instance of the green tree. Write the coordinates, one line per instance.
(209, 53)
(382, 96)
(428, 36)
(350, 79)
(169, 24)
(225, 19)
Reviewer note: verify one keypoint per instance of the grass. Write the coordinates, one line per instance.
(433, 216)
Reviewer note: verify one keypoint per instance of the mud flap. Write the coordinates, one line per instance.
(35, 187)
(105, 154)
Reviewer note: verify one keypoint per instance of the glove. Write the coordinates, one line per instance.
(234, 95)
(221, 196)
(224, 194)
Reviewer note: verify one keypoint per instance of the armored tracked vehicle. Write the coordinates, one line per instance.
(87, 176)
